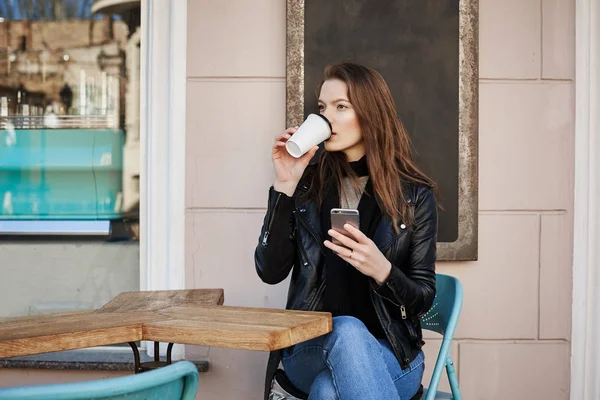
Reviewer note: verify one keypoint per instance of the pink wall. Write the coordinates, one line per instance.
(513, 337)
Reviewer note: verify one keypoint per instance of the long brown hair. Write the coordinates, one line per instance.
(387, 145)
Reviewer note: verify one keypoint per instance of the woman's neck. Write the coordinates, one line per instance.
(355, 153)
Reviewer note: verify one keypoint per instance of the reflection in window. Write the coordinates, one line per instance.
(69, 144)
(69, 153)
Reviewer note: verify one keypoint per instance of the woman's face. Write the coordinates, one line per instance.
(346, 134)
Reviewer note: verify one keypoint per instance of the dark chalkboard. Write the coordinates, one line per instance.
(415, 46)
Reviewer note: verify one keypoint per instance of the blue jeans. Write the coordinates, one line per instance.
(350, 363)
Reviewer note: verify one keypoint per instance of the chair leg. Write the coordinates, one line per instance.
(453, 379)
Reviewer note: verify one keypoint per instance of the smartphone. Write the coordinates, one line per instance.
(342, 216)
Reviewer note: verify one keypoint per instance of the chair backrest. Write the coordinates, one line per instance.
(443, 315)
(442, 318)
(177, 381)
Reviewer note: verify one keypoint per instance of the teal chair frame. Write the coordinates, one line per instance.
(443, 318)
(178, 381)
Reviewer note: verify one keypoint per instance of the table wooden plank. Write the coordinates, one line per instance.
(158, 299)
(66, 331)
(238, 327)
(45, 325)
(34, 320)
(70, 340)
(246, 315)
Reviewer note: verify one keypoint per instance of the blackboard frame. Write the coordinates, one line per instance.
(465, 247)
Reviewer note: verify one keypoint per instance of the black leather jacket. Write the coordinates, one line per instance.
(290, 240)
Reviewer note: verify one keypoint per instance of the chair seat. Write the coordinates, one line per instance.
(438, 395)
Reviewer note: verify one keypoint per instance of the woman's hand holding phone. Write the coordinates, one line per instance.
(360, 252)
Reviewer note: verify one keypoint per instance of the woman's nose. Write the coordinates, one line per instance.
(329, 115)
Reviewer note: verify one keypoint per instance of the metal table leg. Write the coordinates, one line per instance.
(157, 363)
(136, 358)
(169, 351)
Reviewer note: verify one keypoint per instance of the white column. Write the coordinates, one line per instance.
(162, 145)
(585, 357)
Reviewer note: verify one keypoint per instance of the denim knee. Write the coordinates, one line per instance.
(351, 332)
(323, 387)
(349, 324)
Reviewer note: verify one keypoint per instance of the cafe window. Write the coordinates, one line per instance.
(69, 154)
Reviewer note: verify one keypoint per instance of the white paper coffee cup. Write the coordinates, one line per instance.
(313, 131)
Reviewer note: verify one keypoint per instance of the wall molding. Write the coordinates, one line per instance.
(162, 147)
(585, 347)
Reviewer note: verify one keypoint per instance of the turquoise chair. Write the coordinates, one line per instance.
(178, 381)
(442, 318)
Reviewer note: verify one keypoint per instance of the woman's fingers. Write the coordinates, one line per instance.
(342, 251)
(345, 240)
(358, 235)
(290, 131)
(305, 159)
(282, 139)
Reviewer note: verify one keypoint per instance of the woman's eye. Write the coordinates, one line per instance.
(320, 107)
(341, 106)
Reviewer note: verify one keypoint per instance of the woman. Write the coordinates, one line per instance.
(381, 278)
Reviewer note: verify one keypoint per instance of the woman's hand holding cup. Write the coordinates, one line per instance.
(288, 169)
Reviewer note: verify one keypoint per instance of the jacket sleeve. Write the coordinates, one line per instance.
(414, 285)
(276, 250)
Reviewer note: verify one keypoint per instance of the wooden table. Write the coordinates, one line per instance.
(175, 316)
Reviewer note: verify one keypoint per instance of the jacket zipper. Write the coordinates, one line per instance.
(392, 343)
(409, 327)
(403, 312)
(303, 257)
(270, 220)
(392, 301)
(321, 288)
(318, 295)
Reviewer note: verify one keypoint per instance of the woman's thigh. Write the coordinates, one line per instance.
(304, 363)
(407, 380)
